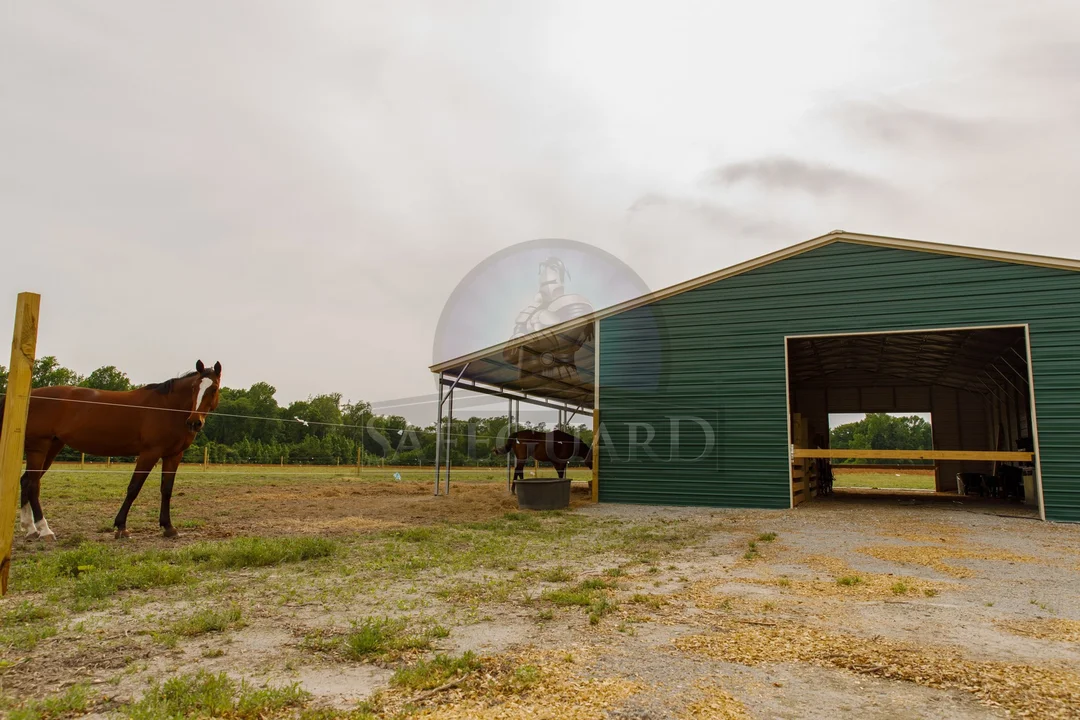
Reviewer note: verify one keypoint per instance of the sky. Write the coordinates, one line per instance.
(295, 189)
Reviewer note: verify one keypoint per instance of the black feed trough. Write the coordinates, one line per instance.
(543, 493)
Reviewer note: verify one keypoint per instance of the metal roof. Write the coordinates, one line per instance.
(532, 374)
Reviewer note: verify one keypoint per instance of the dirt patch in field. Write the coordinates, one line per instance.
(337, 507)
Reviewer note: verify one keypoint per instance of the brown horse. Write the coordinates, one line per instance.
(555, 447)
(155, 422)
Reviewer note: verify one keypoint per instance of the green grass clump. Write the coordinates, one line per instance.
(568, 596)
(26, 637)
(751, 551)
(588, 594)
(767, 537)
(524, 677)
(258, 552)
(202, 694)
(849, 580)
(25, 612)
(23, 627)
(92, 571)
(653, 601)
(558, 574)
(207, 621)
(598, 608)
(900, 588)
(73, 701)
(372, 637)
(427, 674)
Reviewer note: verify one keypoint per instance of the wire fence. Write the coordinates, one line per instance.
(244, 442)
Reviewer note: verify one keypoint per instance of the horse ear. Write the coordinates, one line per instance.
(217, 368)
(199, 366)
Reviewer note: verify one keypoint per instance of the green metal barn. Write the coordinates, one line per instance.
(717, 391)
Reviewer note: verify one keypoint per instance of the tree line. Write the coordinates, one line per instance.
(881, 431)
(250, 426)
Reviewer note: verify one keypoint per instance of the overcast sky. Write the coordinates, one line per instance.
(295, 188)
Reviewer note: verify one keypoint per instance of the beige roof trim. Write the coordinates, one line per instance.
(788, 252)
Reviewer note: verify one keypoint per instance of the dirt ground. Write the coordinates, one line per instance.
(862, 605)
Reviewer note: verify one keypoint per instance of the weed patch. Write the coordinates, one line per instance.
(376, 638)
(207, 621)
(258, 552)
(427, 674)
(203, 694)
(71, 702)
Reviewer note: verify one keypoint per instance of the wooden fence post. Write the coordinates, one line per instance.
(82, 462)
(206, 457)
(108, 462)
(13, 433)
(359, 459)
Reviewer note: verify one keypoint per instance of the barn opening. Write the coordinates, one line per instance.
(885, 431)
(973, 382)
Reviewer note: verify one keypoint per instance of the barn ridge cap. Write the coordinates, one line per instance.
(829, 238)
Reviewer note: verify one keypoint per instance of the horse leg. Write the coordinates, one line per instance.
(560, 468)
(168, 475)
(38, 460)
(143, 465)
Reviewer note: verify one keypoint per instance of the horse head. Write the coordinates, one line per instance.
(204, 394)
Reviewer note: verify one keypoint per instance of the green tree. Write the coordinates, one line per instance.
(107, 378)
(49, 372)
(881, 431)
(3, 379)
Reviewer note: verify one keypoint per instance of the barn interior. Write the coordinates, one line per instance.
(974, 383)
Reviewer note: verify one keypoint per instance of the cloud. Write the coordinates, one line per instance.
(712, 214)
(898, 126)
(789, 174)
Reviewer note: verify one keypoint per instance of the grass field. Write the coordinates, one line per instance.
(312, 593)
(883, 479)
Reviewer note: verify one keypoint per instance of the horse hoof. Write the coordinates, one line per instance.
(171, 532)
(122, 534)
(48, 537)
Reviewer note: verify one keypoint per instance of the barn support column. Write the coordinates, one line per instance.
(449, 434)
(509, 432)
(438, 434)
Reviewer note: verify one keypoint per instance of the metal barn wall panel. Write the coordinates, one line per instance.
(717, 353)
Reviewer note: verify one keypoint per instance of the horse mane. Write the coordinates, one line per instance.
(164, 388)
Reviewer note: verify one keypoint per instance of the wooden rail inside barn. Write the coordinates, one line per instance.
(843, 454)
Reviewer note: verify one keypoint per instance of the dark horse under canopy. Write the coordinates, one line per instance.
(555, 447)
(154, 422)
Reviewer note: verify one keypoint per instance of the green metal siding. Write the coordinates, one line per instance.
(718, 352)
